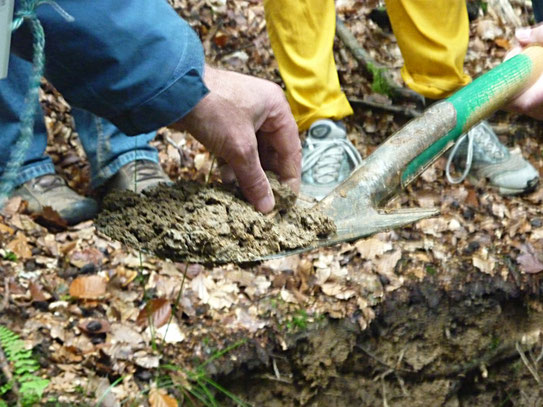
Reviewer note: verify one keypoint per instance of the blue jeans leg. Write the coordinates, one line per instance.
(12, 104)
(538, 10)
(107, 148)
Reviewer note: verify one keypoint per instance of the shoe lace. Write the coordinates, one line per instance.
(469, 158)
(326, 156)
(145, 170)
(49, 182)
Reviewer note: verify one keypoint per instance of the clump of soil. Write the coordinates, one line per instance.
(209, 224)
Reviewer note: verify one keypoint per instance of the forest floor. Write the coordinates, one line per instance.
(445, 312)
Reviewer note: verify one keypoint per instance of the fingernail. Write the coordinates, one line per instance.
(266, 204)
(523, 34)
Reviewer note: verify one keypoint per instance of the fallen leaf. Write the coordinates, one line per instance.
(158, 311)
(37, 293)
(472, 198)
(159, 398)
(6, 229)
(502, 43)
(19, 246)
(83, 257)
(200, 160)
(220, 39)
(88, 287)
(124, 333)
(143, 359)
(488, 30)
(222, 295)
(103, 392)
(246, 320)
(12, 206)
(125, 276)
(170, 333)
(198, 285)
(387, 263)
(484, 262)
(433, 226)
(529, 261)
(51, 219)
(372, 247)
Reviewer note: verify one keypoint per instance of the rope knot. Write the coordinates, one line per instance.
(27, 11)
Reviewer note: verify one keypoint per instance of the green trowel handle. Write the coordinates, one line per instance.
(480, 99)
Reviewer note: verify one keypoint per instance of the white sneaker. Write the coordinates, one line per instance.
(480, 153)
(328, 157)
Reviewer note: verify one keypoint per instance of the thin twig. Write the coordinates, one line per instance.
(527, 363)
(385, 403)
(377, 359)
(5, 302)
(274, 379)
(170, 141)
(208, 177)
(276, 369)
(405, 111)
(539, 356)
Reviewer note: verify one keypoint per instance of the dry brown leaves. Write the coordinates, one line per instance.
(159, 398)
(88, 287)
(156, 312)
(101, 331)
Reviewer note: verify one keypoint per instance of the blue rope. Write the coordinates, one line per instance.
(27, 12)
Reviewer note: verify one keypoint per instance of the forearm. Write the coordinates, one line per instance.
(134, 62)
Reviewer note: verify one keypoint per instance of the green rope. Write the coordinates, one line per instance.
(27, 12)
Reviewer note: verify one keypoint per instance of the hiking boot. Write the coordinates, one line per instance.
(328, 157)
(138, 176)
(506, 170)
(51, 190)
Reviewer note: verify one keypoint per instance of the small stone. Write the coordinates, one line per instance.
(94, 326)
(536, 223)
(144, 375)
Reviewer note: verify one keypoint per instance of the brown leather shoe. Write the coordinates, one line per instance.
(51, 190)
(137, 176)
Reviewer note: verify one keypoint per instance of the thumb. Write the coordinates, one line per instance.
(530, 35)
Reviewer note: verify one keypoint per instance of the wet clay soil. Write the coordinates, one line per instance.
(209, 224)
(428, 347)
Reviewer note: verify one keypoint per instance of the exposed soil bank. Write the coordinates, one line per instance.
(209, 224)
(461, 345)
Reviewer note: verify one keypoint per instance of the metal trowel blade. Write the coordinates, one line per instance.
(361, 225)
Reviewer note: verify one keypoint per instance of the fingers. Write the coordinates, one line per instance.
(530, 35)
(280, 132)
(227, 122)
(245, 163)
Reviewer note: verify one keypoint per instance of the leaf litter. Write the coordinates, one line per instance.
(478, 233)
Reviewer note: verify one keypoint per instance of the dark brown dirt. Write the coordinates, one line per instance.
(452, 347)
(209, 224)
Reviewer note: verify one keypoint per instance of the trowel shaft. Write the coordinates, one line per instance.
(406, 154)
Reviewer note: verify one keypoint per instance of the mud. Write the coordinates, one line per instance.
(208, 224)
(468, 345)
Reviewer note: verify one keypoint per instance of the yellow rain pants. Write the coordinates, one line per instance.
(432, 35)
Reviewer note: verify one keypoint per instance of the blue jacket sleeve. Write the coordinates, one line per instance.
(133, 62)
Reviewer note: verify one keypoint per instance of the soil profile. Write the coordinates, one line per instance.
(209, 224)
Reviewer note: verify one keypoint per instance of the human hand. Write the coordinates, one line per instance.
(247, 122)
(531, 101)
